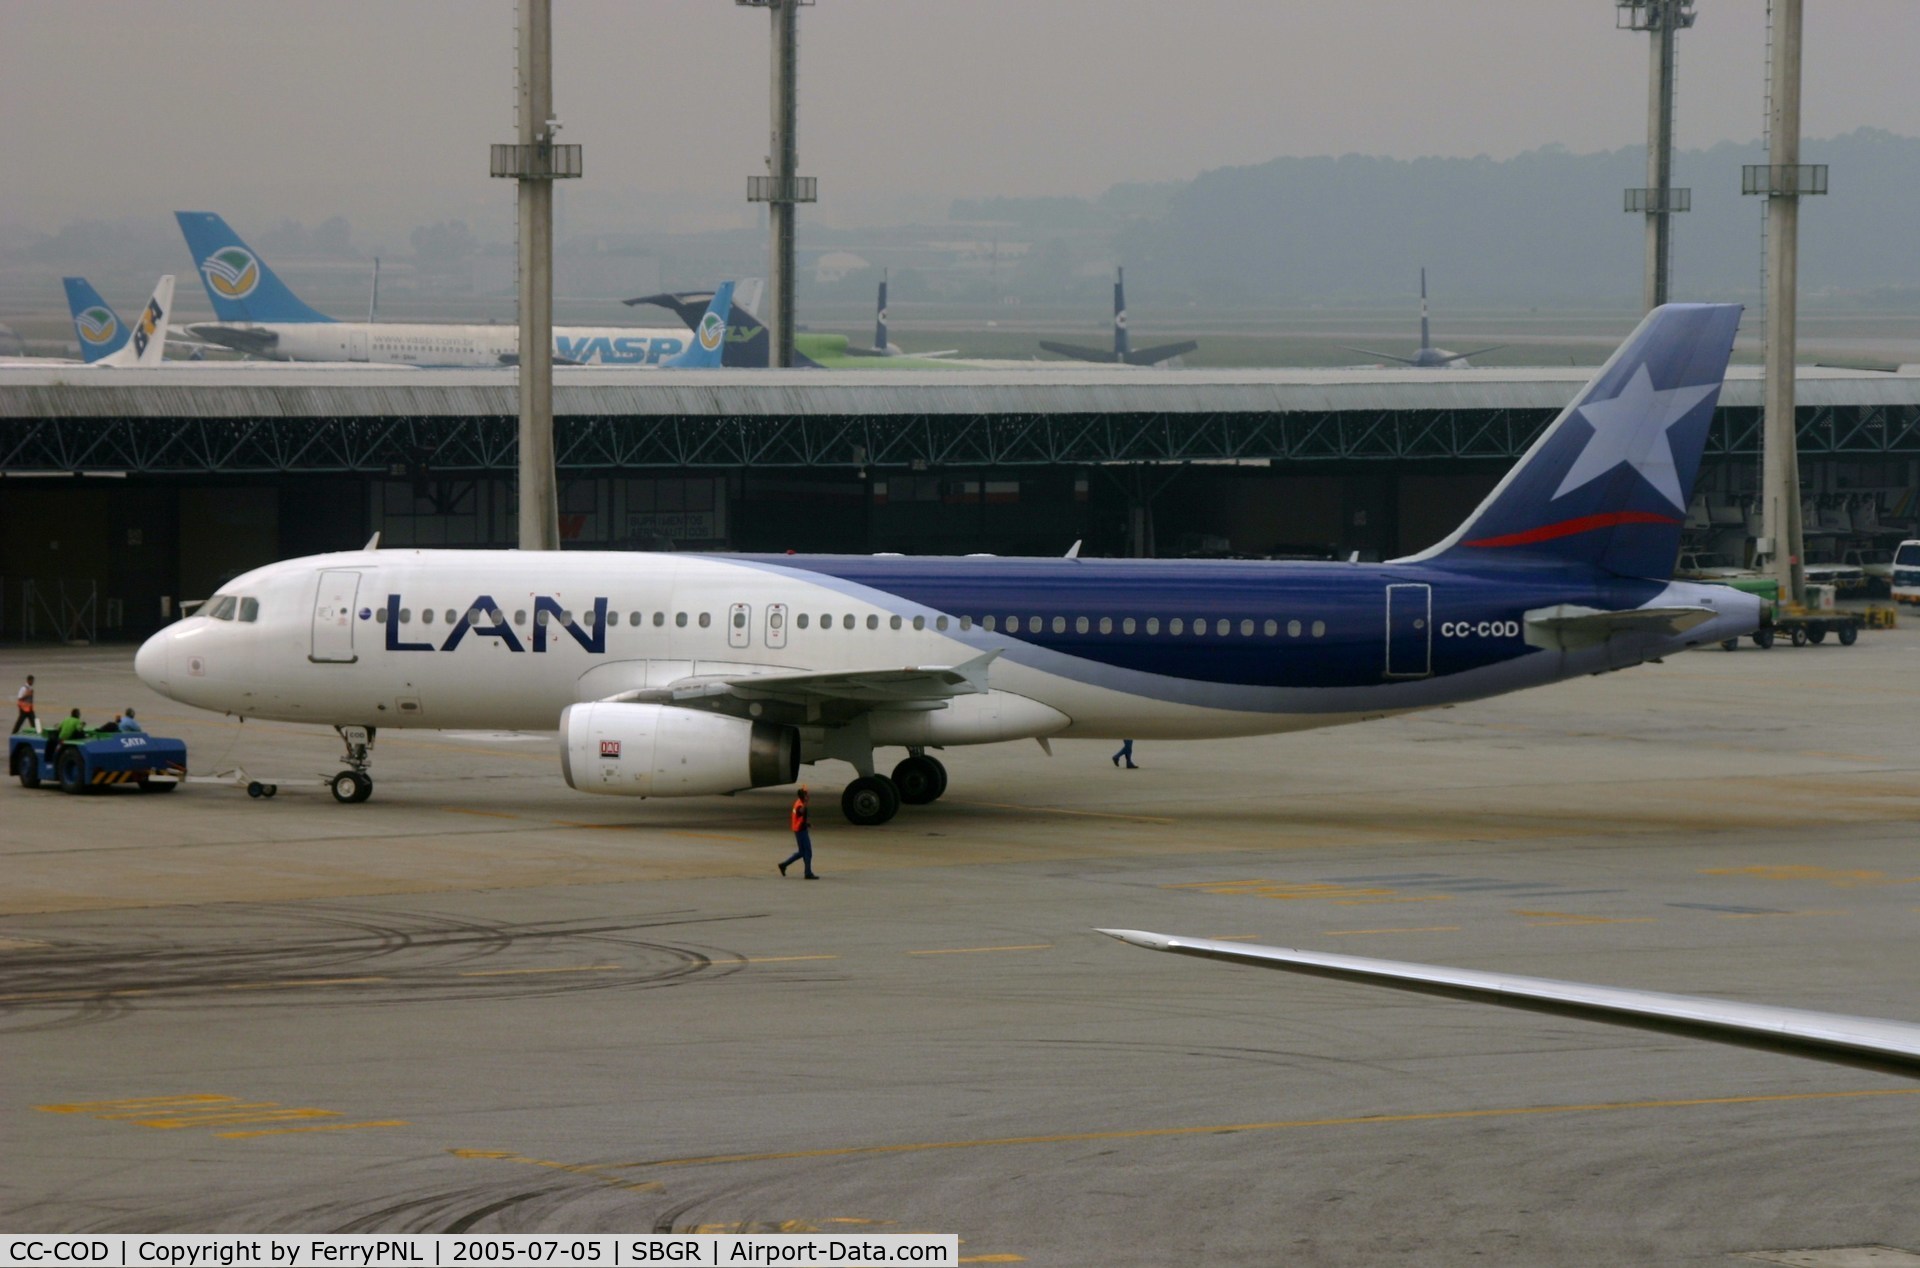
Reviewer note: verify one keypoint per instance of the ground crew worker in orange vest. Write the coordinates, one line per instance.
(799, 821)
(24, 702)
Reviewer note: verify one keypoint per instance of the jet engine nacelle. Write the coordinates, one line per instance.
(654, 750)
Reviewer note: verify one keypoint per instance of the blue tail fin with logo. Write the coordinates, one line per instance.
(99, 328)
(238, 282)
(709, 337)
(1122, 346)
(1607, 484)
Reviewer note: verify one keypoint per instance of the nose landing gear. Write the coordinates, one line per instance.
(354, 785)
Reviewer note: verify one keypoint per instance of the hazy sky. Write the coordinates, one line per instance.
(382, 111)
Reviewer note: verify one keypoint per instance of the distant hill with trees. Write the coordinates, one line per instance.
(1542, 228)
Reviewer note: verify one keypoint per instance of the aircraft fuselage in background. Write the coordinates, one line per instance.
(437, 344)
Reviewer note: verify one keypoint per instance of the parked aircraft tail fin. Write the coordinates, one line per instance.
(1607, 484)
(146, 343)
(98, 327)
(240, 285)
(1121, 344)
(709, 337)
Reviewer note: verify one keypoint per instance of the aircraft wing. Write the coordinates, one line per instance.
(829, 697)
(1462, 356)
(1566, 626)
(1869, 1042)
(1077, 352)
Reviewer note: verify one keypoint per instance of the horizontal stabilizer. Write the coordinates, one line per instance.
(1384, 356)
(1165, 352)
(249, 339)
(1462, 356)
(1870, 1042)
(1568, 626)
(1078, 353)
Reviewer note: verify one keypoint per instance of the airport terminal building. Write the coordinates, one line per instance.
(122, 493)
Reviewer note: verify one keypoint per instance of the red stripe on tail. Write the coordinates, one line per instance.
(1567, 528)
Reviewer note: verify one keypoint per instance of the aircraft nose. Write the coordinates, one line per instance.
(151, 662)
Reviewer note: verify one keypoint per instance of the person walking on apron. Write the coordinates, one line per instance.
(800, 822)
(24, 701)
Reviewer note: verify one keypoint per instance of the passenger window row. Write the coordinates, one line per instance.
(223, 608)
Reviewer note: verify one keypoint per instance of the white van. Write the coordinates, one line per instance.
(1906, 573)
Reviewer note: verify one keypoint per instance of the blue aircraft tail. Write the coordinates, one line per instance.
(709, 337)
(100, 330)
(1122, 344)
(238, 282)
(880, 316)
(1607, 485)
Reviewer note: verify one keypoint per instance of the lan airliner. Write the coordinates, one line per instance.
(677, 675)
(258, 315)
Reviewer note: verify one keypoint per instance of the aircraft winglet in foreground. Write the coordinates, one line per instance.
(681, 675)
(1872, 1043)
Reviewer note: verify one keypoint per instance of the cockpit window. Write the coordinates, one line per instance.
(249, 609)
(221, 606)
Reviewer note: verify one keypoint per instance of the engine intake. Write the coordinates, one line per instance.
(655, 750)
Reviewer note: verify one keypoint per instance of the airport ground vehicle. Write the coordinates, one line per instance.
(151, 763)
(1906, 573)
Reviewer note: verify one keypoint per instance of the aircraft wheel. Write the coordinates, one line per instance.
(272, 789)
(27, 766)
(350, 787)
(1847, 635)
(920, 780)
(72, 771)
(870, 800)
(256, 790)
(1729, 644)
(1763, 638)
(1799, 636)
(1816, 634)
(158, 785)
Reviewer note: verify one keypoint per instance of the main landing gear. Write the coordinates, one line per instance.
(354, 785)
(874, 799)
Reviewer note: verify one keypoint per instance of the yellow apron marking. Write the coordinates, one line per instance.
(137, 1102)
(206, 1109)
(1036, 946)
(784, 959)
(1549, 919)
(324, 1127)
(1363, 1120)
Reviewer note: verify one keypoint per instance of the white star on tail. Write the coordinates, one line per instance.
(1631, 428)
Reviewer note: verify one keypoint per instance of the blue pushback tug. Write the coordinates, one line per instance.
(99, 759)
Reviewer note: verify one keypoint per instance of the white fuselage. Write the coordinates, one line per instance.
(438, 344)
(504, 639)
